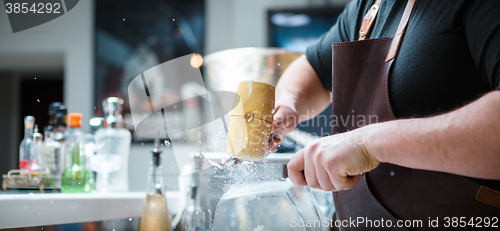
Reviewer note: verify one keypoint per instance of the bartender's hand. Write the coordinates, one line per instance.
(332, 163)
(285, 120)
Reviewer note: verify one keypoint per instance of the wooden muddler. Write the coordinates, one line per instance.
(251, 121)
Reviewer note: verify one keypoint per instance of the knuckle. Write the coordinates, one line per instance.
(314, 146)
(328, 188)
(297, 181)
(311, 182)
(294, 181)
(340, 183)
(346, 183)
(330, 162)
(306, 152)
(340, 187)
(314, 185)
(318, 157)
(292, 165)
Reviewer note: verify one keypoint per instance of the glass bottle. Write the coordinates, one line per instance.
(194, 217)
(26, 146)
(155, 216)
(113, 147)
(35, 164)
(76, 178)
(53, 107)
(47, 132)
(60, 123)
(51, 149)
(51, 156)
(59, 134)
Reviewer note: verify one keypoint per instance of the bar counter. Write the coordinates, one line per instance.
(33, 209)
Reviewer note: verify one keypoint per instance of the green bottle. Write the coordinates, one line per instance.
(76, 178)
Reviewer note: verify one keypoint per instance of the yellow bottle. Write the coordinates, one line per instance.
(155, 216)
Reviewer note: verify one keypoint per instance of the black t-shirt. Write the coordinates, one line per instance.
(449, 56)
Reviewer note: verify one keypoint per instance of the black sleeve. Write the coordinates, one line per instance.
(319, 55)
(481, 23)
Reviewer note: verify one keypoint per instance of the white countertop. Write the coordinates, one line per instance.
(25, 210)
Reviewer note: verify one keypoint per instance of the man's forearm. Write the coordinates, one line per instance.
(300, 88)
(464, 142)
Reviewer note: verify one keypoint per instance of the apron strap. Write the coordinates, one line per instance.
(368, 20)
(488, 196)
(396, 42)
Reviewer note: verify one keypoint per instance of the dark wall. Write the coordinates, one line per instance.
(8, 152)
(36, 95)
(19, 96)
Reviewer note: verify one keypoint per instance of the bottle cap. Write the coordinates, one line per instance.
(29, 121)
(75, 119)
(96, 122)
(53, 107)
(112, 104)
(37, 136)
(52, 112)
(112, 107)
(62, 109)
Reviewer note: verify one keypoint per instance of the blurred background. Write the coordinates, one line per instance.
(96, 49)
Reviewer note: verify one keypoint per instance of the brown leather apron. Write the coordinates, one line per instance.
(391, 192)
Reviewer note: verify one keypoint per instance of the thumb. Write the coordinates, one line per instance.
(277, 120)
(296, 169)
